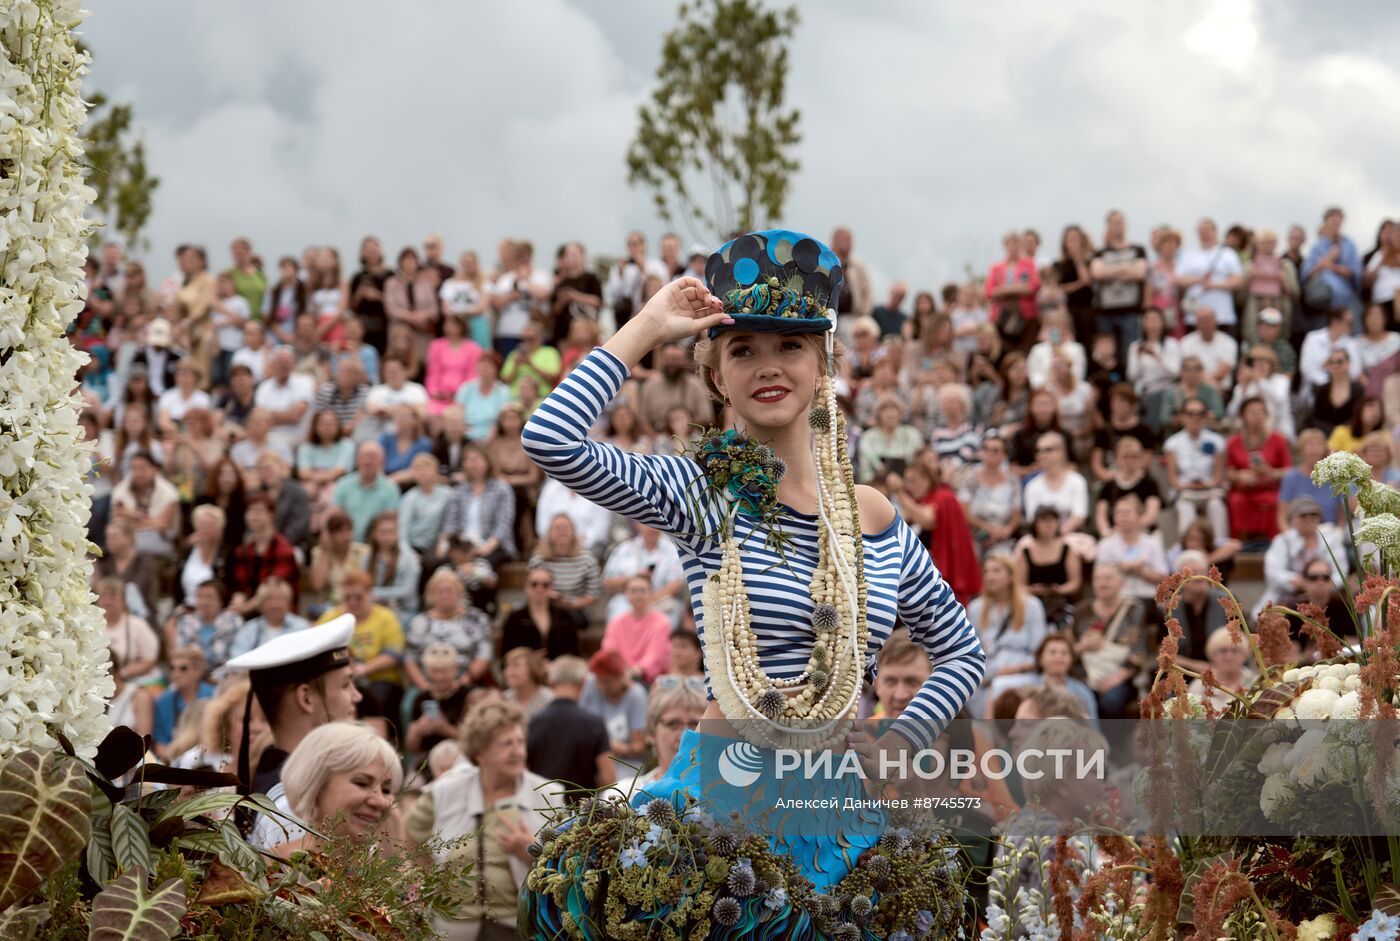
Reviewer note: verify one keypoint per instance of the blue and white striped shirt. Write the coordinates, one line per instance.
(668, 492)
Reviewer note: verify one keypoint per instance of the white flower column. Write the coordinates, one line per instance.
(53, 648)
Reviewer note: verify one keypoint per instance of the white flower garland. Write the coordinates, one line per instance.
(53, 646)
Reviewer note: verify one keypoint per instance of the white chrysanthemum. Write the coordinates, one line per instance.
(1291, 675)
(1315, 704)
(1351, 683)
(1333, 683)
(1347, 707)
(1275, 794)
(53, 656)
(1274, 759)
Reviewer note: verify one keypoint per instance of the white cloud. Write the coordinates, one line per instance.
(930, 128)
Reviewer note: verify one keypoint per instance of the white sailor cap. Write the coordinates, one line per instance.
(298, 657)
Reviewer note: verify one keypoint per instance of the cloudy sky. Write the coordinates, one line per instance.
(928, 127)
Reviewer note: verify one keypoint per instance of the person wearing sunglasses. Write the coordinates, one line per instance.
(543, 623)
(1320, 589)
(674, 706)
(1298, 550)
(1196, 469)
(1334, 401)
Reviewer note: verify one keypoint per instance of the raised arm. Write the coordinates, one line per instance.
(937, 622)
(658, 491)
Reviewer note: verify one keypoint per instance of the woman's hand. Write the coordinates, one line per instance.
(683, 308)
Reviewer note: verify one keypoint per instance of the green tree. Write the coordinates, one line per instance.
(116, 161)
(718, 114)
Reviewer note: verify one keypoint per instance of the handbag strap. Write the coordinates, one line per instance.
(481, 866)
(1117, 622)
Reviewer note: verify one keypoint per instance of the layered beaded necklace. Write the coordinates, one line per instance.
(805, 711)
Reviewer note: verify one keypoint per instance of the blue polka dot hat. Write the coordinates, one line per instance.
(775, 281)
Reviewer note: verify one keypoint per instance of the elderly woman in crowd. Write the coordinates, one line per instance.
(448, 618)
(1227, 656)
(955, 440)
(1112, 640)
(1256, 458)
(526, 677)
(890, 445)
(488, 809)
(674, 705)
(444, 696)
(992, 496)
(341, 781)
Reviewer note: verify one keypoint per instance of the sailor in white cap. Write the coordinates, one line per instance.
(302, 681)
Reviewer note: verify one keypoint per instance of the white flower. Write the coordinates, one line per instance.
(1351, 683)
(1383, 531)
(1315, 704)
(1274, 758)
(1291, 675)
(1333, 683)
(1340, 470)
(1276, 791)
(1348, 706)
(53, 656)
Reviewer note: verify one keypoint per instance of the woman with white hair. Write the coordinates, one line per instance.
(490, 808)
(340, 780)
(889, 445)
(955, 440)
(1227, 656)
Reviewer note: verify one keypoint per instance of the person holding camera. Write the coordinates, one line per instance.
(623, 292)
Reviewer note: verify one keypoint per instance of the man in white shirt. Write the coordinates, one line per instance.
(1319, 344)
(288, 396)
(592, 523)
(1217, 350)
(1210, 275)
(395, 390)
(1196, 469)
(650, 552)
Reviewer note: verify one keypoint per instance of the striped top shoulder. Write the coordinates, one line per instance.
(669, 493)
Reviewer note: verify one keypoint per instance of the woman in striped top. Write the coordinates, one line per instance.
(770, 380)
(578, 580)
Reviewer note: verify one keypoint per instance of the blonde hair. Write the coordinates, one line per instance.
(1220, 639)
(664, 700)
(534, 662)
(1017, 617)
(443, 574)
(485, 721)
(208, 511)
(707, 351)
(334, 748)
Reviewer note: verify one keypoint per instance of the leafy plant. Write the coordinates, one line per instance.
(44, 806)
(125, 912)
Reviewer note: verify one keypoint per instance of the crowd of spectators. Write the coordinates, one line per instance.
(280, 444)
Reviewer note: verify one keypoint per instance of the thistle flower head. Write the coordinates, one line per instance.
(741, 881)
(724, 841)
(770, 702)
(819, 679)
(825, 618)
(659, 811)
(727, 911)
(819, 418)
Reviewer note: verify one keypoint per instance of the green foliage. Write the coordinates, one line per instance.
(718, 114)
(124, 911)
(116, 161)
(44, 805)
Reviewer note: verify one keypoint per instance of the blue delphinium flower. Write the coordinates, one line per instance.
(632, 856)
(1379, 927)
(901, 935)
(923, 922)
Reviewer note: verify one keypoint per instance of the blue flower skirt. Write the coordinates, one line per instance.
(729, 845)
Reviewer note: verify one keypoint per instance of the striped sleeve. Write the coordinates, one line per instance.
(663, 492)
(939, 624)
